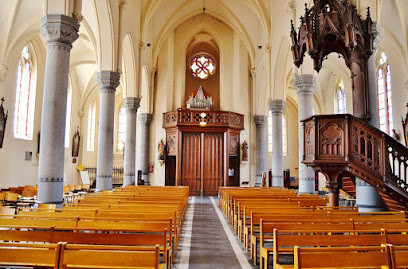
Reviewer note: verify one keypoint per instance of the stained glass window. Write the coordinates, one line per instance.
(121, 128)
(91, 129)
(25, 97)
(202, 67)
(68, 118)
(341, 98)
(384, 94)
(284, 136)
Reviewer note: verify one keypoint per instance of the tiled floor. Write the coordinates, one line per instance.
(212, 243)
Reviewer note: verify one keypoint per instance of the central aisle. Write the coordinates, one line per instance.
(207, 240)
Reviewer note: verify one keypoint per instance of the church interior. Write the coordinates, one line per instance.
(195, 133)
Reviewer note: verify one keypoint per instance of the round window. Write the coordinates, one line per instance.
(202, 67)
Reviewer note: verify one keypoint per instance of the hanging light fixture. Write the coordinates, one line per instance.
(202, 120)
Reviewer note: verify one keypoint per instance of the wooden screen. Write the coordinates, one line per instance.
(213, 164)
(191, 162)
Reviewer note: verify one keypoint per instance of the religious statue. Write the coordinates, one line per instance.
(3, 120)
(244, 148)
(75, 143)
(395, 135)
(161, 150)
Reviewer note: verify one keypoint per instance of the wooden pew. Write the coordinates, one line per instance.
(44, 255)
(399, 257)
(285, 241)
(343, 257)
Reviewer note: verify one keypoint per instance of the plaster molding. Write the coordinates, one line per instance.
(277, 106)
(60, 29)
(3, 71)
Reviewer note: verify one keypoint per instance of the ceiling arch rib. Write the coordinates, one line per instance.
(173, 23)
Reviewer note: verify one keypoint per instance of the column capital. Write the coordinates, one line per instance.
(3, 70)
(305, 83)
(108, 79)
(277, 106)
(260, 120)
(253, 72)
(59, 28)
(131, 104)
(145, 118)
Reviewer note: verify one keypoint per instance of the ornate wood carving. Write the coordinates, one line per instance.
(215, 119)
(350, 145)
(335, 26)
(233, 147)
(171, 140)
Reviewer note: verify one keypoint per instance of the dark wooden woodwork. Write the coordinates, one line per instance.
(335, 26)
(170, 171)
(191, 162)
(234, 163)
(202, 152)
(344, 145)
(213, 163)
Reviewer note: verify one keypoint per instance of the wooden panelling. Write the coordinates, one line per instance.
(191, 162)
(213, 163)
(233, 145)
(171, 140)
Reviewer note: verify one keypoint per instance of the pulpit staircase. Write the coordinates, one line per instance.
(343, 147)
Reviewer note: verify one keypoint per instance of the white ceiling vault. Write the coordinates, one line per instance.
(147, 24)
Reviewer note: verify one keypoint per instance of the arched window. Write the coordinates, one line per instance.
(121, 128)
(384, 92)
(25, 97)
(90, 145)
(284, 136)
(68, 117)
(340, 97)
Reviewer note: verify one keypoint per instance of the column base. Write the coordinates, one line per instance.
(367, 198)
(306, 185)
(128, 180)
(277, 181)
(258, 182)
(103, 183)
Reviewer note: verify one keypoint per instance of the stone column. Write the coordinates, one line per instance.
(107, 81)
(277, 107)
(304, 85)
(131, 104)
(367, 198)
(145, 119)
(261, 122)
(60, 32)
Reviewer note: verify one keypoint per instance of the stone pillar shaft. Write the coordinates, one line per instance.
(304, 84)
(107, 81)
(60, 31)
(277, 107)
(145, 120)
(131, 104)
(261, 122)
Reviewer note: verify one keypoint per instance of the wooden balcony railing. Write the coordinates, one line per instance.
(348, 144)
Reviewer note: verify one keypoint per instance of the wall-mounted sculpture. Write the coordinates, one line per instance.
(3, 121)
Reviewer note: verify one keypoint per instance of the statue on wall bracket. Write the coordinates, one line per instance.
(200, 100)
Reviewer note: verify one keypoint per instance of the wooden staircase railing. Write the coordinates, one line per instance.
(339, 145)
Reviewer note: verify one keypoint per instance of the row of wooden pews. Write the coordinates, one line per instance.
(131, 227)
(300, 231)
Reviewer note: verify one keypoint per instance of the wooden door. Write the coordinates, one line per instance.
(213, 162)
(191, 162)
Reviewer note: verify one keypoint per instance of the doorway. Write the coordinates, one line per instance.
(202, 167)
